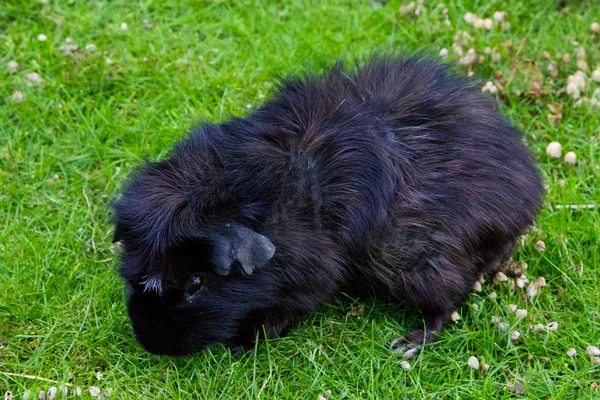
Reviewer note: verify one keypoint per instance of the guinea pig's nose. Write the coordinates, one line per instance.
(150, 339)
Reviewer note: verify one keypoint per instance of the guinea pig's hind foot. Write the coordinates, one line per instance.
(412, 344)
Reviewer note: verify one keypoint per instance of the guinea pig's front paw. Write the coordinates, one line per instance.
(406, 349)
(412, 344)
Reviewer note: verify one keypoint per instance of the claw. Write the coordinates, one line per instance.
(408, 350)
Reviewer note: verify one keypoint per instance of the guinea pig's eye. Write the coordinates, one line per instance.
(195, 283)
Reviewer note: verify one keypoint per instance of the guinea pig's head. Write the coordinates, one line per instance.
(193, 270)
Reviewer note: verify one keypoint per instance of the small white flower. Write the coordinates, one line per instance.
(520, 283)
(514, 335)
(69, 47)
(455, 316)
(471, 18)
(108, 61)
(582, 65)
(500, 15)
(576, 81)
(571, 352)
(407, 8)
(596, 75)
(124, 26)
(554, 149)
(444, 53)
(501, 277)
(473, 362)
(12, 65)
(42, 395)
(489, 87)
(26, 395)
(521, 313)
(17, 96)
(94, 391)
(592, 351)
(571, 158)
(42, 38)
(477, 286)
(512, 307)
(573, 90)
(538, 328)
(552, 326)
(488, 23)
(492, 295)
(34, 77)
(595, 27)
(470, 58)
(540, 246)
(52, 393)
(90, 47)
(541, 281)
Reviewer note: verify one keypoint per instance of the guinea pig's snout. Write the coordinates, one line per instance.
(167, 324)
(157, 335)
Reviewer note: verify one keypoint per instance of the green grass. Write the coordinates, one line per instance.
(66, 148)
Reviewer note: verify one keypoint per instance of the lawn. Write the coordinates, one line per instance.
(88, 89)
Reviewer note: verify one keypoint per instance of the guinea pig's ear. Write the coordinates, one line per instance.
(235, 244)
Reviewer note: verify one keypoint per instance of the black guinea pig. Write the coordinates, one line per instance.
(395, 177)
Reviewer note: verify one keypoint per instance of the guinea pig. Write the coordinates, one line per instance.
(394, 177)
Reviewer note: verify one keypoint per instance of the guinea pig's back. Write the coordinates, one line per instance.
(403, 141)
(470, 163)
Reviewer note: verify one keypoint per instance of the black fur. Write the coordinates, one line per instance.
(398, 177)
